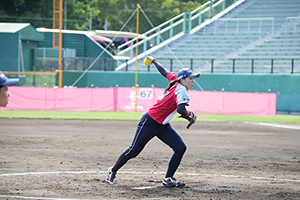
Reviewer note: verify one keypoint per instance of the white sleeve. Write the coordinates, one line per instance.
(182, 95)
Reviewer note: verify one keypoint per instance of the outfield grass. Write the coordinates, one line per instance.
(137, 116)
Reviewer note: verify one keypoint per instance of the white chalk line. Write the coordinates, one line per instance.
(274, 125)
(123, 172)
(160, 173)
(42, 198)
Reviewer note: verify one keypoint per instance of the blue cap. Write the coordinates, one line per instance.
(186, 72)
(4, 81)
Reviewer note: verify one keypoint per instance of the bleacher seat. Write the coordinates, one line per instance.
(266, 31)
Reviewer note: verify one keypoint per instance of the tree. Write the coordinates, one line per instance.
(78, 13)
(38, 13)
(116, 12)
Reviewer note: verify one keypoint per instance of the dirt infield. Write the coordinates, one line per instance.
(68, 159)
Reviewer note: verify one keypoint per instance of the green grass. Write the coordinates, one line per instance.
(70, 115)
(249, 118)
(137, 116)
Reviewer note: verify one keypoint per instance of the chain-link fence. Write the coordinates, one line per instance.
(77, 63)
(34, 79)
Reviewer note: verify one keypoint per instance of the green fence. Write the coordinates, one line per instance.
(9, 53)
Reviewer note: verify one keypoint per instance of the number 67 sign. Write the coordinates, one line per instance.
(145, 93)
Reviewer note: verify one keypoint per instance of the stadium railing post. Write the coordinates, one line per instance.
(272, 65)
(233, 65)
(292, 66)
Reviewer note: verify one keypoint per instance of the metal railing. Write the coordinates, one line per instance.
(258, 65)
(239, 65)
(180, 24)
(52, 53)
(243, 25)
(292, 23)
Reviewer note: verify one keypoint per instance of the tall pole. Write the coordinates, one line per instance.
(60, 43)
(65, 13)
(136, 52)
(57, 34)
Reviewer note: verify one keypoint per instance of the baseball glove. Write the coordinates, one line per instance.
(191, 117)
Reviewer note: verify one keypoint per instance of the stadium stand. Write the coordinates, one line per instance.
(258, 36)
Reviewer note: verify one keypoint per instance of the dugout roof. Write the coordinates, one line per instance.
(25, 30)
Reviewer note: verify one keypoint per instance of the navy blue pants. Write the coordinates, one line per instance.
(146, 130)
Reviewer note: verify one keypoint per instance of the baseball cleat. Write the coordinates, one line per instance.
(110, 179)
(171, 182)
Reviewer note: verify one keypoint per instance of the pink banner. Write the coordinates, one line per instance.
(123, 99)
(72, 99)
(233, 103)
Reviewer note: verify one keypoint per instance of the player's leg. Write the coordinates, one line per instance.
(170, 137)
(146, 130)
